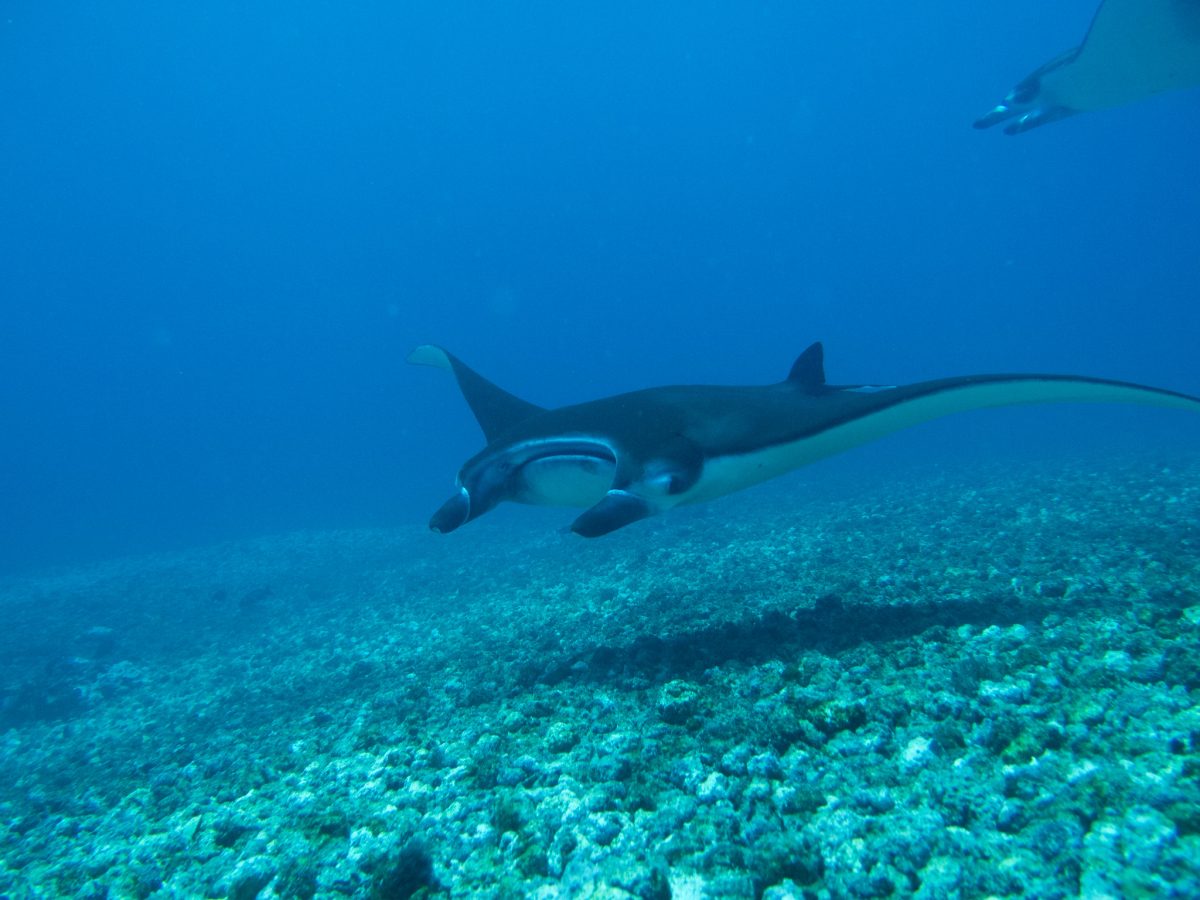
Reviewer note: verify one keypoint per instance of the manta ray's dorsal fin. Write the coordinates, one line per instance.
(808, 371)
(495, 409)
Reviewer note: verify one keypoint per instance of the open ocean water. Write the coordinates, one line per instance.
(958, 662)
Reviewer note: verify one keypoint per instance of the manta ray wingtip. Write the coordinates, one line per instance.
(430, 355)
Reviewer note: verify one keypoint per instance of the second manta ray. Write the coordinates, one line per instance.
(638, 454)
(1134, 49)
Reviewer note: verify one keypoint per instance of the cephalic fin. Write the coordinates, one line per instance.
(616, 510)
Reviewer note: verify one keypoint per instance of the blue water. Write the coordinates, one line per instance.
(225, 225)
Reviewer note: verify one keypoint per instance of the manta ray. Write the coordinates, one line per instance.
(1133, 49)
(638, 454)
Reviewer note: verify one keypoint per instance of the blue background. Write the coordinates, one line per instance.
(224, 227)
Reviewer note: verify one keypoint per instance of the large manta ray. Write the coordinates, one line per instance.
(637, 454)
(1133, 49)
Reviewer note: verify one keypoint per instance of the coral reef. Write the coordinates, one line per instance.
(973, 683)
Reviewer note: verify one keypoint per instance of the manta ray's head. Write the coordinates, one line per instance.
(561, 471)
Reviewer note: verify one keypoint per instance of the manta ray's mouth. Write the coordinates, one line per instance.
(568, 448)
(574, 471)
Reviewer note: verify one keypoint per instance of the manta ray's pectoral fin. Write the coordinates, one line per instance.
(495, 409)
(1133, 49)
(616, 510)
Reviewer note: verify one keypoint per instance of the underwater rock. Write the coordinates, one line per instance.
(561, 737)
(403, 873)
(249, 877)
(765, 765)
(677, 702)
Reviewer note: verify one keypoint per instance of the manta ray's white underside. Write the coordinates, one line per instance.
(1135, 48)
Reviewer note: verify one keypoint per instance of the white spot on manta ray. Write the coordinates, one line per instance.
(871, 388)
